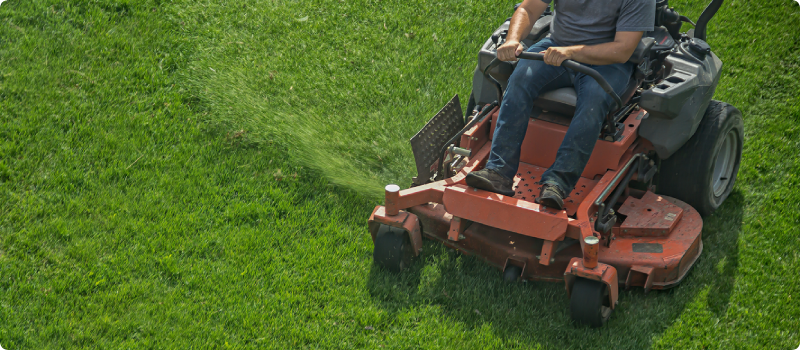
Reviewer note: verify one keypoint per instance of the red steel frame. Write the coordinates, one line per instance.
(654, 245)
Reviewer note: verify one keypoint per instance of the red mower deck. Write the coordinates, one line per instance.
(653, 246)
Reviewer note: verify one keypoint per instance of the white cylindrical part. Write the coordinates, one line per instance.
(392, 196)
(392, 188)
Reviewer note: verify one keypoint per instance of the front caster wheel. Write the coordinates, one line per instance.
(589, 303)
(393, 249)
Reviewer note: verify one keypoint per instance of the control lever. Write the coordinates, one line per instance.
(499, 38)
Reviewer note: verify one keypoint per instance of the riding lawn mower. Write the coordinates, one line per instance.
(667, 156)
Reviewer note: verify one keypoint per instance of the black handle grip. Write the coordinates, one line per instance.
(570, 64)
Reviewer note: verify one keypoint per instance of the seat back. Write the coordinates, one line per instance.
(642, 50)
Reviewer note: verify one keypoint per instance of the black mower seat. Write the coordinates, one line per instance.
(563, 100)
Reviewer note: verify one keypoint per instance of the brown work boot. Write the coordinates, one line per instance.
(490, 180)
(552, 196)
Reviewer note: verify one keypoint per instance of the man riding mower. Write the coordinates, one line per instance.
(601, 34)
(590, 150)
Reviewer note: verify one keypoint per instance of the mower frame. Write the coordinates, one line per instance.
(626, 234)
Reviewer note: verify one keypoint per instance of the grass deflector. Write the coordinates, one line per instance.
(667, 155)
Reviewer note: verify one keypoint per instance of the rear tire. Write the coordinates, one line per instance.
(589, 303)
(702, 172)
(393, 250)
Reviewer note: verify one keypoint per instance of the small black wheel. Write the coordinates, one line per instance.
(393, 250)
(512, 273)
(589, 303)
(702, 172)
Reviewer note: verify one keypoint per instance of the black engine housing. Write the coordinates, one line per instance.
(681, 75)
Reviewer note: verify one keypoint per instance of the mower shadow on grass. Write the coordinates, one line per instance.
(472, 294)
(720, 261)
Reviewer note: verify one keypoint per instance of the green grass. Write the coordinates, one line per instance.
(196, 174)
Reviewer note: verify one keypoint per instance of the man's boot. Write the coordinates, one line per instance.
(552, 196)
(492, 181)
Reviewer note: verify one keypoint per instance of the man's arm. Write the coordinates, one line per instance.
(521, 23)
(617, 51)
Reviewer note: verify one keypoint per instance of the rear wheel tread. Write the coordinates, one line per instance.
(689, 174)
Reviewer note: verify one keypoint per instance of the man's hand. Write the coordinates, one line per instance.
(521, 23)
(509, 51)
(554, 56)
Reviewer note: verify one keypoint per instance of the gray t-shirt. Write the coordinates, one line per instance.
(591, 22)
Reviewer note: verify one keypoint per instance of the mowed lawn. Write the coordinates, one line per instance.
(198, 174)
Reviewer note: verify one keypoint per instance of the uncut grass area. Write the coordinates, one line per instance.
(196, 174)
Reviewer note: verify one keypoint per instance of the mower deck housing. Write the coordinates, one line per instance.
(652, 246)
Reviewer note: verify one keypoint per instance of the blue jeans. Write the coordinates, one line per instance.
(531, 78)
